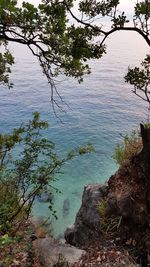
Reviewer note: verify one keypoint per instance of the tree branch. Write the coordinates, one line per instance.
(107, 33)
(146, 38)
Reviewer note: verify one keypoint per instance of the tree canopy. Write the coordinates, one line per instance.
(62, 40)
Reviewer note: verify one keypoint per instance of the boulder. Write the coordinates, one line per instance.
(51, 253)
(87, 222)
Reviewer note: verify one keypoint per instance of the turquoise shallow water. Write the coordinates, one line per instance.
(102, 109)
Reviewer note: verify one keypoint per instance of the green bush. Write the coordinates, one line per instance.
(147, 125)
(131, 145)
(108, 223)
(28, 171)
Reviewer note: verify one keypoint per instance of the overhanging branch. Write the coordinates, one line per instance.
(146, 38)
(107, 33)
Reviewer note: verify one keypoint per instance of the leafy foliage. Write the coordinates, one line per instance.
(142, 15)
(29, 173)
(131, 145)
(94, 8)
(6, 61)
(45, 31)
(61, 40)
(140, 79)
(147, 125)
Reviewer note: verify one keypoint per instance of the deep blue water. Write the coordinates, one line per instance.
(101, 110)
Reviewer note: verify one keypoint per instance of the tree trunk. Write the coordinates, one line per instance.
(145, 153)
(145, 134)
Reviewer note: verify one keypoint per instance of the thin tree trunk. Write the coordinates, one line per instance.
(145, 134)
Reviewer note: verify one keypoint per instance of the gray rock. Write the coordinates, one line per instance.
(87, 223)
(50, 252)
(69, 234)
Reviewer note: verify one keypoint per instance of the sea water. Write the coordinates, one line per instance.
(100, 110)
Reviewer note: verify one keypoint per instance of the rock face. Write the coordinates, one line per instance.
(52, 253)
(124, 208)
(128, 194)
(87, 223)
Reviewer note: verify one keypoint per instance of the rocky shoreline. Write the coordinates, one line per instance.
(112, 225)
(111, 228)
(86, 244)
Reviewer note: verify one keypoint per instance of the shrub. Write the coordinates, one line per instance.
(131, 145)
(28, 171)
(147, 125)
(108, 223)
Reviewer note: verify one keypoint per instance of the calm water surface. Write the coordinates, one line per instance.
(101, 110)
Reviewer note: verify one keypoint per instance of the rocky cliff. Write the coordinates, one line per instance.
(123, 214)
(112, 226)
